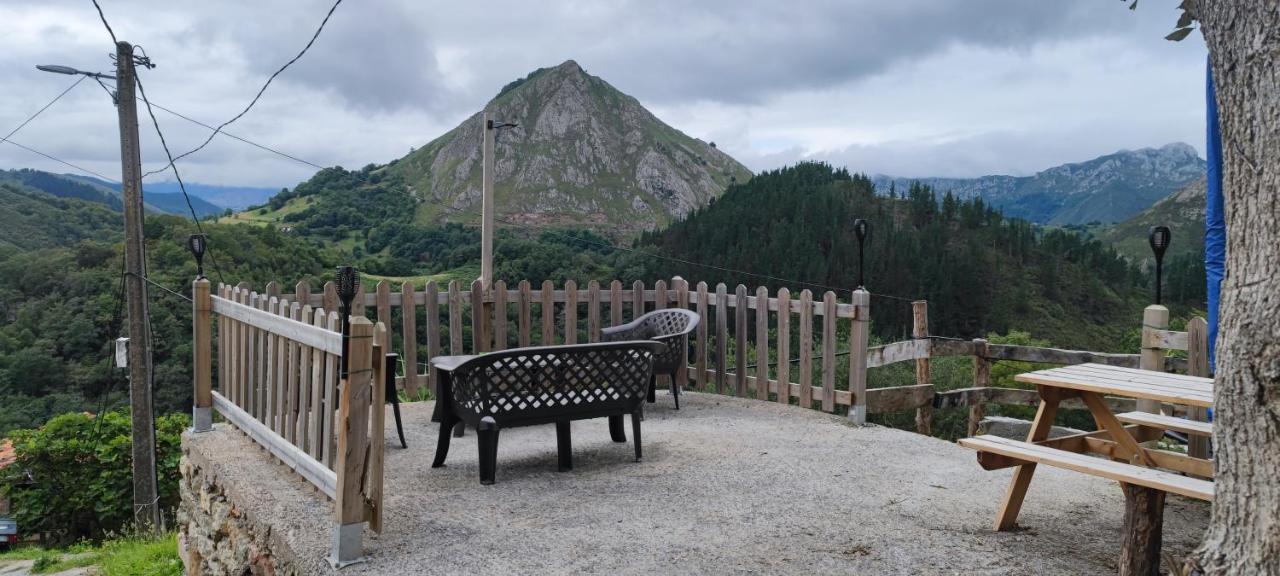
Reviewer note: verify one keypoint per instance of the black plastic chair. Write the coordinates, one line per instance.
(541, 385)
(670, 326)
(392, 396)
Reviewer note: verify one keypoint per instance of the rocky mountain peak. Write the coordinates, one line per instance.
(584, 153)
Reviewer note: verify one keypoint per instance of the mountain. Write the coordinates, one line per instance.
(155, 197)
(34, 219)
(584, 153)
(233, 197)
(1106, 189)
(1182, 212)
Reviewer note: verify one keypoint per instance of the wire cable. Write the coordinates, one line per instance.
(45, 107)
(181, 185)
(217, 130)
(60, 161)
(245, 140)
(103, 17)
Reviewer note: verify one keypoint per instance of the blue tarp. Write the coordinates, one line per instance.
(1215, 227)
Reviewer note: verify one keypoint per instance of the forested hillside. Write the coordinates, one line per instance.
(62, 311)
(979, 271)
(33, 219)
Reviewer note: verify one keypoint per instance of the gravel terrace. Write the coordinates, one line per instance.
(727, 486)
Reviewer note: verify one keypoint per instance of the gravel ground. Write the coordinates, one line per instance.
(727, 486)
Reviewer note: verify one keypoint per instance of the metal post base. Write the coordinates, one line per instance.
(348, 540)
(858, 415)
(201, 419)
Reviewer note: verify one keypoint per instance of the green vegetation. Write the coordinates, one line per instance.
(125, 556)
(72, 479)
(34, 219)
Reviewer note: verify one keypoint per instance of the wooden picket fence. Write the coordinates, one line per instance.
(279, 382)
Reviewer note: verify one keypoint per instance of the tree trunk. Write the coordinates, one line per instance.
(1143, 521)
(1244, 52)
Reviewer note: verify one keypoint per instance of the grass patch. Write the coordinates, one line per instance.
(128, 556)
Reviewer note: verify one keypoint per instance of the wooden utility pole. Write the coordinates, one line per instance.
(486, 200)
(146, 506)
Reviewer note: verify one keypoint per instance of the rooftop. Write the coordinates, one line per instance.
(727, 485)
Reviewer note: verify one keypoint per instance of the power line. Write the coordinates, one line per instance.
(61, 161)
(245, 140)
(256, 97)
(45, 107)
(181, 186)
(104, 23)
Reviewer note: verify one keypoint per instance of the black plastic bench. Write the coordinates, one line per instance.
(541, 385)
(670, 326)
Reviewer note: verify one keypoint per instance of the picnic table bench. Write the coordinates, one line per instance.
(543, 385)
(1145, 474)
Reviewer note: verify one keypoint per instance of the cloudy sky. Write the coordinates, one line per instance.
(907, 87)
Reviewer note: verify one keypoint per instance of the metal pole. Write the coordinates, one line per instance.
(145, 500)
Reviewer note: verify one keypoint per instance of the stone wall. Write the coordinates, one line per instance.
(218, 537)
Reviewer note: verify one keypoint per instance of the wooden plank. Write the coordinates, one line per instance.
(660, 294)
(314, 405)
(1164, 422)
(681, 288)
(722, 335)
(271, 384)
(829, 351)
(525, 319)
(1168, 339)
(571, 312)
(409, 338)
(806, 348)
(784, 345)
(288, 454)
(479, 324)
(740, 339)
(637, 299)
(353, 424)
(1130, 389)
(282, 326)
(1007, 516)
(383, 302)
(1118, 471)
(1107, 421)
(226, 346)
(939, 348)
(358, 303)
(293, 382)
(593, 311)
(859, 335)
(895, 398)
(1140, 375)
(455, 319)
(700, 340)
(1057, 356)
(244, 347)
(895, 352)
(762, 344)
(331, 370)
(431, 311)
(377, 430)
(615, 303)
(1198, 365)
(500, 315)
(919, 331)
(548, 314)
(981, 379)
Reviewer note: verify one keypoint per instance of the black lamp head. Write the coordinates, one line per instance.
(1159, 238)
(347, 282)
(861, 229)
(196, 244)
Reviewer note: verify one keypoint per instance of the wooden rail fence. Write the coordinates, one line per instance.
(279, 382)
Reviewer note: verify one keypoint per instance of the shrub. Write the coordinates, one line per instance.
(72, 478)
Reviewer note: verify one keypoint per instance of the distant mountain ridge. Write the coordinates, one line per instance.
(107, 193)
(1182, 212)
(1106, 189)
(584, 153)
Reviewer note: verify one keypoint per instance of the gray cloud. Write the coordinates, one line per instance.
(908, 87)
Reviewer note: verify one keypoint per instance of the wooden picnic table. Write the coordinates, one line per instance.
(1145, 473)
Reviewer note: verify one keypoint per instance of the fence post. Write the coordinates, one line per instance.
(1198, 365)
(920, 329)
(202, 351)
(858, 336)
(981, 379)
(1154, 319)
(682, 301)
(353, 444)
(409, 338)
